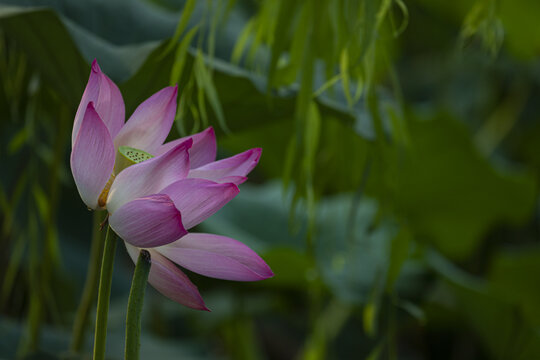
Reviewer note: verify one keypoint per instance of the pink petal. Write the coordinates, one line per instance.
(218, 257)
(148, 222)
(203, 150)
(110, 105)
(92, 157)
(151, 122)
(198, 199)
(149, 177)
(237, 180)
(166, 278)
(238, 166)
(107, 100)
(91, 93)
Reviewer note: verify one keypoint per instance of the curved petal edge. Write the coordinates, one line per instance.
(170, 281)
(148, 222)
(92, 157)
(217, 256)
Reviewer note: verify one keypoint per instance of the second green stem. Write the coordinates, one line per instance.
(104, 294)
(135, 306)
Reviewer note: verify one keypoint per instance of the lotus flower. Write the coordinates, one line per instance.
(99, 131)
(168, 189)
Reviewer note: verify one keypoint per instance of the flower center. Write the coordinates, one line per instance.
(127, 156)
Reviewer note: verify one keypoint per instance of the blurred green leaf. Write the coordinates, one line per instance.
(204, 82)
(48, 47)
(399, 252)
(182, 24)
(495, 321)
(18, 141)
(451, 194)
(181, 55)
(517, 17)
(511, 278)
(290, 267)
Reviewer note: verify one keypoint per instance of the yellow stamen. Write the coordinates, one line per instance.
(102, 200)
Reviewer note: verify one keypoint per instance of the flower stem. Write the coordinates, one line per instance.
(135, 306)
(90, 286)
(104, 294)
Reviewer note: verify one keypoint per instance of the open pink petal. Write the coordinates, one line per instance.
(203, 150)
(198, 199)
(149, 177)
(169, 280)
(107, 101)
(148, 222)
(238, 165)
(151, 122)
(217, 256)
(92, 157)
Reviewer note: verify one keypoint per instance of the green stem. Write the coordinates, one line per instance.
(104, 294)
(135, 306)
(90, 286)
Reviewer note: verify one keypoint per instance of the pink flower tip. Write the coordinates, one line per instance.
(171, 91)
(95, 67)
(264, 272)
(174, 90)
(258, 152)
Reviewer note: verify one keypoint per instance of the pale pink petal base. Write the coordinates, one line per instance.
(148, 222)
(92, 157)
(217, 256)
(169, 280)
(198, 199)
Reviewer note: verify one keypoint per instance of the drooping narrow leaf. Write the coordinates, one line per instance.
(182, 24)
(204, 81)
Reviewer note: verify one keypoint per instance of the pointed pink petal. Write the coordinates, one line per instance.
(217, 256)
(166, 278)
(110, 105)
(151, 122)
(198, 199)
(107, 101)
(203, 150)
(92, 157)
(148, 222)
(149, 177)
(239, 165)
(91, 93)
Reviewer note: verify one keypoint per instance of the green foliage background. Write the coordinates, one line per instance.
(396, 199)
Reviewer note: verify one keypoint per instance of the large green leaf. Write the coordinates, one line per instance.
(451, 194)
